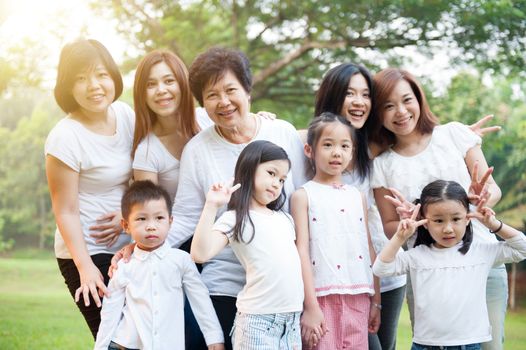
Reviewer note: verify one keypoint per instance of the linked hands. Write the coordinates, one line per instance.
(313, 326)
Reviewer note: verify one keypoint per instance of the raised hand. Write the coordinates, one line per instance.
(220, 193)
(478, 188)
(404, 208)
(479, 130)
(484, 214)
(407, 227)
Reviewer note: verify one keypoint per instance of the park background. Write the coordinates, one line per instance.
(469, 55)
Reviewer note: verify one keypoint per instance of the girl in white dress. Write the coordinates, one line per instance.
(262, 237)
(448, 268)
(421, 151)
(334, 243)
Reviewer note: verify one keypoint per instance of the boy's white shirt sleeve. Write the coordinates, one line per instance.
(511, 250)
(399, 266)
(201, 304)
(112, 307)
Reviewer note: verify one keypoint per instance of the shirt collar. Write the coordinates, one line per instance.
(159, 252)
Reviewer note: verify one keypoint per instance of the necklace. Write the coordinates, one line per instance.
(256, 129)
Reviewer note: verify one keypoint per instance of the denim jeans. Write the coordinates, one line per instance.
(454, 347)
(392, 302)
(497, 302)
(267, 332)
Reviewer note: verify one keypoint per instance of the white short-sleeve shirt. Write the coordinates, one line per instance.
(104, 167)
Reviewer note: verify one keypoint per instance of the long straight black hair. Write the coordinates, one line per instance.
(254, 154)
(438, 191)
(330, 97)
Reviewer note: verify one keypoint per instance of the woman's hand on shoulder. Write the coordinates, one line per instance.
(108, 228)
(481, 131)
(125, 253)
(221, 192)
(266, 115)
(91, 282)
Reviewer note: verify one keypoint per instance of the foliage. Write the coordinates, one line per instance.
(25, 210)
(467, 100)
(292, 43)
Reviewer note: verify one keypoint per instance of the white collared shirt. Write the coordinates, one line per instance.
(145, 308)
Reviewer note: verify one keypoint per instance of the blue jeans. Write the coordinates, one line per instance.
(267, 332)
(453, 347)
(392, 302)
(497, 302)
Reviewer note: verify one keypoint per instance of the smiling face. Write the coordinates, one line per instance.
(447, 221)
(226, 101)
(148, 223)
(163, 94)
(268, 182)
(94, 90)
(401, 111)
(357, 104)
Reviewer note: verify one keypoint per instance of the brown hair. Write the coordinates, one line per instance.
(384, 83)
(76, 57)
(212, 65)
(145, 118)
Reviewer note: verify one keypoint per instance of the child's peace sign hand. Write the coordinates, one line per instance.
(404, 208)
(407, 227)
(484, 214)
(220, 193)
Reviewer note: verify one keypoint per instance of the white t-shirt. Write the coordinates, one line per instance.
(376, 229)
(145, 308)
(442, 159)
(152, 156)
(104, 167)
(207, 159)
(449, 288)
(271, 261)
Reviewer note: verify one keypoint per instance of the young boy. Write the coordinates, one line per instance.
(145, 307)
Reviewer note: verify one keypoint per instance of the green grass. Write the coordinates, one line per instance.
(37, 312)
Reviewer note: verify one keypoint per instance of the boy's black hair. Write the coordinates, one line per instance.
(438, 191)
(254, 154)
(141, 192)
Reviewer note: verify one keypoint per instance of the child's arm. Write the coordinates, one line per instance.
(199, 299)
(208, 242)
(514, 249)
(312, 320)
(376, 299)
(111, 312)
